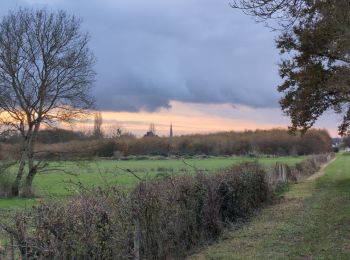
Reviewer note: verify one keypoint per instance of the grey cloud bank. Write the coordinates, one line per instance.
(151, 52)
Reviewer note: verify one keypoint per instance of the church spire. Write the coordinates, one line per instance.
(171, 130)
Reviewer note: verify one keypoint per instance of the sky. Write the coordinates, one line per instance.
(200, 65)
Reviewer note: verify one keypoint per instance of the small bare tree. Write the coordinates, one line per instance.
(46, 72)
(152, 129)
(115, 131)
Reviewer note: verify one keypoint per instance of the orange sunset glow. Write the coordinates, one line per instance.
(191, 118)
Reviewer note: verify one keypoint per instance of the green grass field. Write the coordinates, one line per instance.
(55, 183)
(312, 221)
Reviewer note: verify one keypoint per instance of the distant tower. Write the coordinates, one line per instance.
(170, 140)
(171, 131)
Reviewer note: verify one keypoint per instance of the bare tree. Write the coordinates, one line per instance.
(115, 131)
(152, 129)
(97, 132)
(46, 72)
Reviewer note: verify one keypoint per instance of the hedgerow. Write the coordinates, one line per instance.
(159, 219)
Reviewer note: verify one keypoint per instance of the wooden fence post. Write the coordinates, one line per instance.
(137, 238)
(12, 249)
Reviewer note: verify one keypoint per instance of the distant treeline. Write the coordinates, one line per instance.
(59, 135)
(68, 144)
(50, 136)
(275, 142)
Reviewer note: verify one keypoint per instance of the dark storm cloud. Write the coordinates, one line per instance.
(151, 52)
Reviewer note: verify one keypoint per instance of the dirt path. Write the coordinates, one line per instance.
(321, 171)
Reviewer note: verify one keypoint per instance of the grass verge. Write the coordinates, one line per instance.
(311, 221)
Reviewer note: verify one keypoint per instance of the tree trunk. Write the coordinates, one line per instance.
(20, 172)
(32, 167)
(28, 186)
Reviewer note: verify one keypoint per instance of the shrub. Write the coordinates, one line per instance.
(6, 179)
(91, 226)
(76, 149)
(105, 148)
(9, 152)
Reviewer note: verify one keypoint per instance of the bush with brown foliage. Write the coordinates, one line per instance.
(313, 163)
(76, 150)
(179, 213)
(9, 152)
(91, 226)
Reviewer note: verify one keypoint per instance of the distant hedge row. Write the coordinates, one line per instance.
(270, 142)
(160, 219)
(273, 142)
